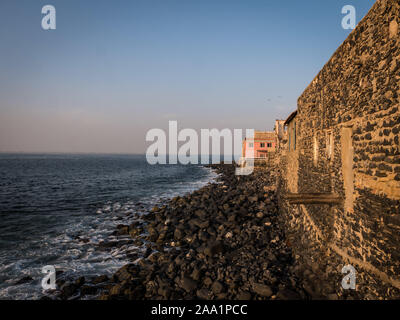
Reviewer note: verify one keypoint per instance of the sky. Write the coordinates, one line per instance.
(113, 70)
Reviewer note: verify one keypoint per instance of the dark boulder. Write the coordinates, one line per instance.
(68, 289)
(217, 287)
(214, 249)
(188, 284)
(203, 294)
(88, 290)
(286, 294)
(262, 290)
(100, 279)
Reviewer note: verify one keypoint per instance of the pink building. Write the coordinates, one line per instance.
(258, 148)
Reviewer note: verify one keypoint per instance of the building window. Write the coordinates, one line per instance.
(329, 145)
(269, 145)
(251, 145)
(315, 150)
(292, 136)
(294, 133)
(262, 145)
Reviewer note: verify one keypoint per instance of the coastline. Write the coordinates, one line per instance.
(222, 241)
(74, 228)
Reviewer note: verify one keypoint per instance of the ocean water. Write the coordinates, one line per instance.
(55, 209)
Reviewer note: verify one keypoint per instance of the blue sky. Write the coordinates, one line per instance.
(112, 70)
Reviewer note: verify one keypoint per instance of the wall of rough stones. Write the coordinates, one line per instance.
(348, 126)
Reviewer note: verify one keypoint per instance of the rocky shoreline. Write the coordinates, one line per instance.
(223, 241)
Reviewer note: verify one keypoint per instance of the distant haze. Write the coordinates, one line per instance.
(112, 70)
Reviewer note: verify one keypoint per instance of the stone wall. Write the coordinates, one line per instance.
(347, 143)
